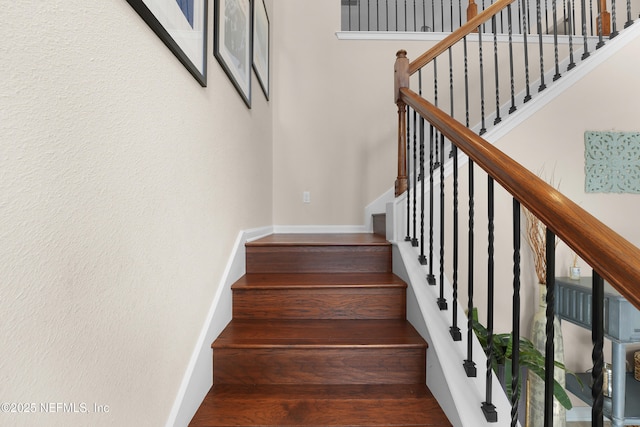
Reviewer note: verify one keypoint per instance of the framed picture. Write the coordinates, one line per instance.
(232, 43)
(261, 45)
(182, 26)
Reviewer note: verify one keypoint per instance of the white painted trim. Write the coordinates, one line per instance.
(198, 376)
(319, 229)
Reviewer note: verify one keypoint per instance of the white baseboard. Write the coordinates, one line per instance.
(297, 229)
(198, 377)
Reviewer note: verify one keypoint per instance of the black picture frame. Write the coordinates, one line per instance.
(182, 27)
(261, 34)
(233, 43)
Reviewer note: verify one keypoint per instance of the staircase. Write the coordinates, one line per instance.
(319, 337)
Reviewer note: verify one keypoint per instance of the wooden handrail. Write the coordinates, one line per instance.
(466, 29)
(608, 253)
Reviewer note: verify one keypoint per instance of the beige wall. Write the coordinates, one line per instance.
(336, 123)
(123, 185)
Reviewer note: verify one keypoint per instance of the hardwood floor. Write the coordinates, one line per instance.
(319, 337)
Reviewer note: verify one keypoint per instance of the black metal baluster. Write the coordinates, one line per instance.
(386, 14)
(431, 279)
(498, 119)
(459, 13)
(442, 302)
(629, 18)
(451, 82)
(424, 17)
(359, 17)
(600, 27)
(614, 18)
(466, 82)
(555, 39)
(591, 14)
(488, 408)
(550, 249)
(483, 127)
(513, 87)
(415, 17)
(414, 241)
(422, 258)
(585, 54)
(406, 26)
(377, 15)
(442, 15)
(525, 23)
(515, 334)
(451, 13)
(539, 19)
(572, 63)
(455, 330)
(564, 16)
(597, 337)
(469, 364)
(408, 236)
(437, 163)
(349, 11)
(546, 16)
(433, 15)
(397, 15)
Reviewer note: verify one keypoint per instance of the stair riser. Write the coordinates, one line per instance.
(319, 366)
(319, 259)
(345, 303)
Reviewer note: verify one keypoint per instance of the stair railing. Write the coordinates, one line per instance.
(611, 257)
(448, 15)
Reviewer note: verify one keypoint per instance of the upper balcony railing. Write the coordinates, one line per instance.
(445, 16)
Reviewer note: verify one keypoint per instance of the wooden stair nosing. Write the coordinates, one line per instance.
(318, 280)
(315, 239)
(319, 332)
(319, 405)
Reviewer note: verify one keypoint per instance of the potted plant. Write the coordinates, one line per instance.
(529, 357)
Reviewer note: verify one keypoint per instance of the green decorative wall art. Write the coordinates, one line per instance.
(612, 162)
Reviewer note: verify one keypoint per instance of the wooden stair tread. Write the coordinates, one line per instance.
(319, 333)
(310, 239)
(317, 280)
(320, 405)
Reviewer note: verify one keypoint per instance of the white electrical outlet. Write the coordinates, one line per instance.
(306, 197)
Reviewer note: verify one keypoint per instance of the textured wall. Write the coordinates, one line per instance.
(123, 185)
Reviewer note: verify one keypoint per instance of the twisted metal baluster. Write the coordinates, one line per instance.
(498, 119)
(525, 23)
(629, 18)
(513, 87)
(469, 364)
(455, 330)
(550, 250)
(483, 127)
(442, 302)
(597, 337)
(585, 54)
(431, 279)
(572, 63)
(414, 241)
(539, 19)
(489, 408)
(555, 40)
(422, 259)
(515, 334)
